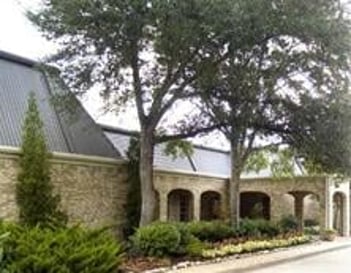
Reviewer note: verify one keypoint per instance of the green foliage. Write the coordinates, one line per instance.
(257, 161)
(258, 228)
(179, 148)
(288, 224)
(61, 250)
(157, 239)
(283, 165)
(3, 237)
(311, 222)
(34, 190)
(166, 239)
(213, 231)
(133, 206)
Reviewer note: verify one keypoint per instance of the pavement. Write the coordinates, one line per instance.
(334, 261)
(266, 261)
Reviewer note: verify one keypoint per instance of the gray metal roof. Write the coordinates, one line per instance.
(19, 77)
(203, 160)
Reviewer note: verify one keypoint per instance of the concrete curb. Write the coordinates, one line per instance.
(286, 260)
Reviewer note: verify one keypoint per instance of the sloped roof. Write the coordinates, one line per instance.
(19, 77)
(203, 160)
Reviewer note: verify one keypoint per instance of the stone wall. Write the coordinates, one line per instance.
(92, 189)
(282, 203)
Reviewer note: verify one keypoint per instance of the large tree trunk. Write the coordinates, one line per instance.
(234, 186)
(148, 193)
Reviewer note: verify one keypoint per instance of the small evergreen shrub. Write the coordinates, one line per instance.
(213, 231)
(34, 191)
(258, 228)
(60, 250)
(157, 239)
(310, 222)
(288, 224)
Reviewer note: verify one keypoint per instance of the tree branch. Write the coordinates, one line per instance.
(190, 133)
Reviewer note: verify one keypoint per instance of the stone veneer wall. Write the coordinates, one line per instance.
(282, 203)
(93, 189)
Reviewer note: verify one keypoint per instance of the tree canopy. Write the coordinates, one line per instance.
(285, 81)
(252, 66)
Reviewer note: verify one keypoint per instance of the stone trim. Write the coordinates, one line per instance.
(59, 157)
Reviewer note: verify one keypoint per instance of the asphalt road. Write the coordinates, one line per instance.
(338, 261)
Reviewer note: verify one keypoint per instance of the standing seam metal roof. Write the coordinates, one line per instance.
(205, 160)
(19, 77)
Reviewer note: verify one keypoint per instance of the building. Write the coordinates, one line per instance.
(88, 167)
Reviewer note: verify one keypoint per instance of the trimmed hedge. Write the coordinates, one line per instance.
(258, 229)
(166, 239)
(211, 231)
(62, 250)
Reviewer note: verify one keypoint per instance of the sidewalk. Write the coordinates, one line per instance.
(260, 260)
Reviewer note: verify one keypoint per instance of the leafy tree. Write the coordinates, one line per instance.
(284, 82)
(34, 190)
(143, 53)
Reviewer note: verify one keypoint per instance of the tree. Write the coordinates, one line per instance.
(34, 190)
(144, 53)
(134, 194)
(284, 82)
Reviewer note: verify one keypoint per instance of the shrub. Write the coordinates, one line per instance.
(311, 222)
(211, 231)
(288, 224)
(34, 191)
(258, 228)
(63, 250)
(157, 239)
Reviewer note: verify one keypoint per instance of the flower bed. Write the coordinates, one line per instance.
(253, 246)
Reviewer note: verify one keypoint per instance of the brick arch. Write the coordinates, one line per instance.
(339, 207)
(255, 205)
(180, 205)
(210, 205)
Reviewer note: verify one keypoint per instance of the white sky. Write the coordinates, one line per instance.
(19, 36)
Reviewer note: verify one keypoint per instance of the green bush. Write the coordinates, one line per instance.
(310, 222)
(211, 231)
(63, 250)
(157, 239)
(258, 228)
(288, 224)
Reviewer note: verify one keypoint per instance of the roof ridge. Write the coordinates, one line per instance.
(17, 58)
(124, 131)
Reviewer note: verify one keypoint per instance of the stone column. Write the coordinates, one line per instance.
(163, 206)
(197, 206)
(299, 209)
(346, 215)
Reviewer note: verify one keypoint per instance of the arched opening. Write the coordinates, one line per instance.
(306, 209)
(210, 206)
(180, 205)
(339, 208)
(255, 205)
